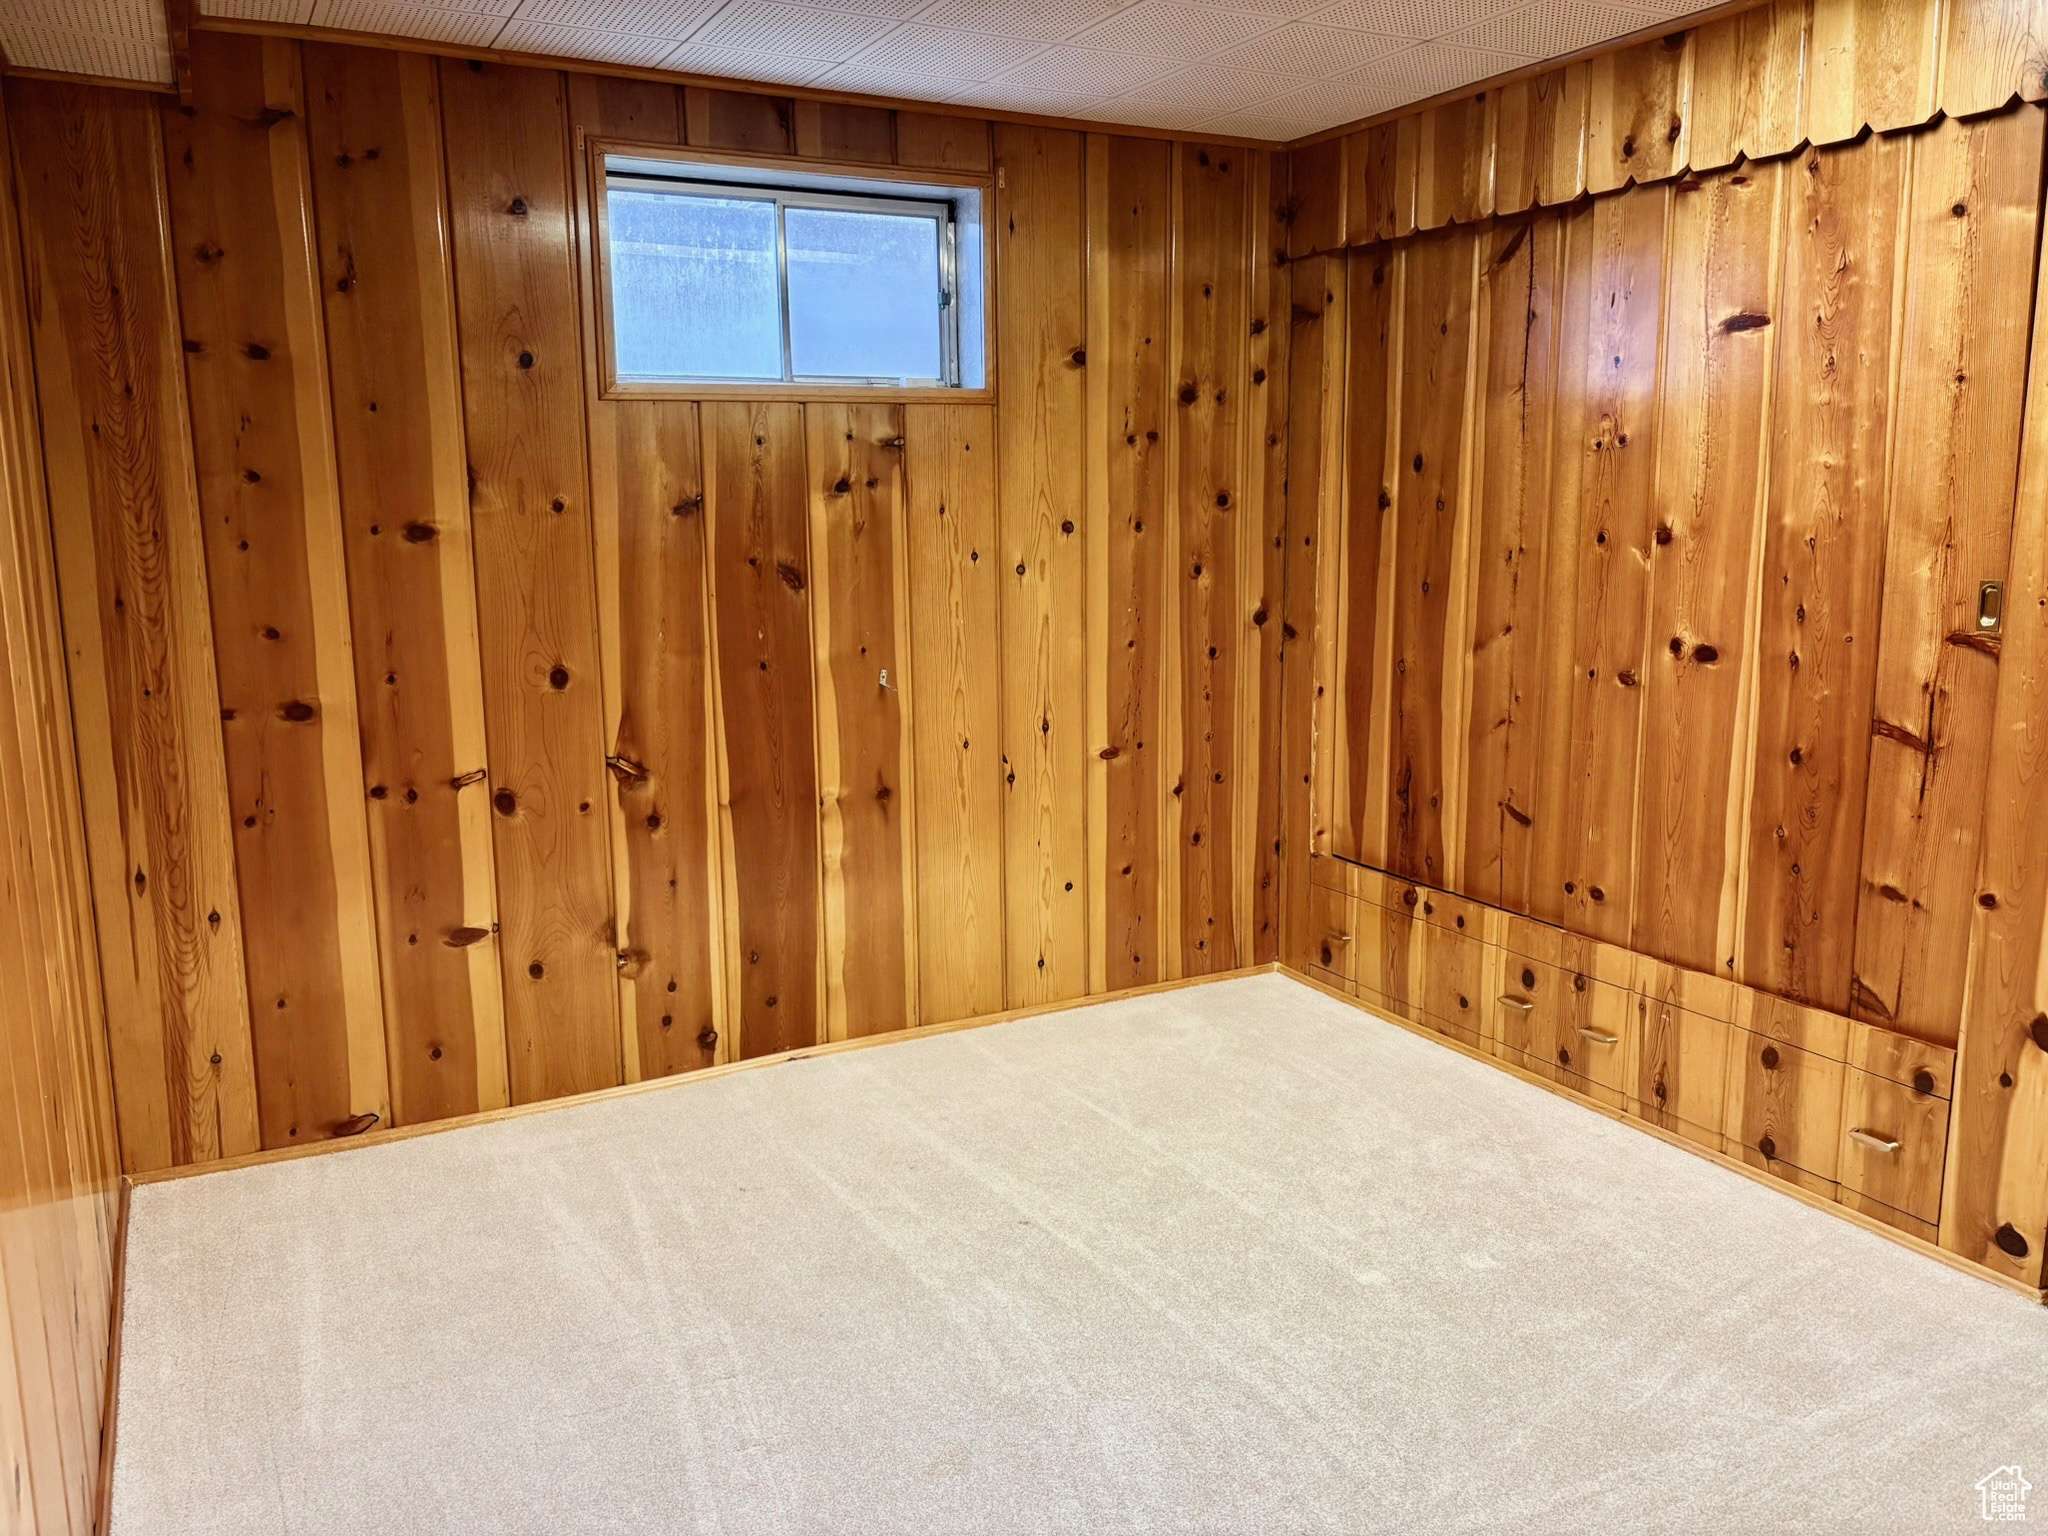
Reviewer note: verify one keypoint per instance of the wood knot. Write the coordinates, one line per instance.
(1767, 1146)
(418, 533)
(504, 802)
(2009, 1241)
(792, 578)
(2039, 1030)
(462, 938)
(707, 1038)
(1923, 1081)
(1769, 1057)
(298, 711)
(355, 1125)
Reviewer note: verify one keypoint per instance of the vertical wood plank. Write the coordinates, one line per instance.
(1512, 452)
(1426, 477)
(256, 377)
(1972, 228)
(756, 501)
(1316, 198)
(854, 457)
(1207, 510)
(58, 1171)
(657, 642)
(653, 616)
(1748, 85)
(1355, 760)
(1265, 544)
(1540, 139)
(1315, 390)
(1454, 162)
(379, 200)
(1992, 51)
(1378, 198)
(1130, 269)
(1994, 1208)
(1041, 332)
(88, 169)
(1720, 322)
(1636, 113)
(1606, 482)
(1870, 66)
(508, 184)
(1823, 561)
(950, 470)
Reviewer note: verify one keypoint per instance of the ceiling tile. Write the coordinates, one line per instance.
(1550, 28)
(582, 43)
(297, 12)
(743, 64)
(647, 18)
(108, 57)
(1087, 71)
(472, 27)
(1206, 89)
(1169, 30)
(1305, 49)
(765, 26)
(1046, 21)
(998, 96)
(869, 81)
(1418, 19)
(927, 50)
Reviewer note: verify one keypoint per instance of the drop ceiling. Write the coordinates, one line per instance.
(1263, 69)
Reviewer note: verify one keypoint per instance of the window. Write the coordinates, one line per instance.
(785, 279)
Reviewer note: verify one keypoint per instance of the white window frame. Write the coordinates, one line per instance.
(941, 211)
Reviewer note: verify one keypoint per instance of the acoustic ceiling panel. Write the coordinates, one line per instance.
(1272, 69)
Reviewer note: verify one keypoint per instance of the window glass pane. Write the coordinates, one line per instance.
(695, 293)
(863, 294)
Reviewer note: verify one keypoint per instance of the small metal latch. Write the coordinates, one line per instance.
(885, 680)
(1990, 607)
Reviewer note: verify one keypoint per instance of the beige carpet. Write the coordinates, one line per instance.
(1229, 1259)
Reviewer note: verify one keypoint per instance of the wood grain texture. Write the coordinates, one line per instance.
(1205, 514)
(1130, 381)
(653, 607)
(1636, 113)
(1428, 479)
(935, 141)
(1041, 245)
(1747, 88)
(1363, 495)
(1720, 335)
(756, 501)
(1992, 51)
(1607, 421)
(373, 122)
(1514, 446)
(1870, 66)
(256, 380)
(1995, 1204)
(131, 563)
(1540, 139)
(59, 1167)
(859, 596)
(738, 120)
(835, 130)
(1823, 567)
(1265, 568)
(1454, 162)
(506, 134)
(950, 548)
(1972, 226)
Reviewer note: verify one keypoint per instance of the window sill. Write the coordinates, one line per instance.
(919, 394)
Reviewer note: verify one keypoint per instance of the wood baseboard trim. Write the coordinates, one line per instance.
(1755, 1175)
(677, 1081)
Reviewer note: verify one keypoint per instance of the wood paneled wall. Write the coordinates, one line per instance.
(59, 1201)
(1653, 528)
(455, 736)
(1754, 85)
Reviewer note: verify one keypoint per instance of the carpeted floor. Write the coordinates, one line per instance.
(1234, 1258)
